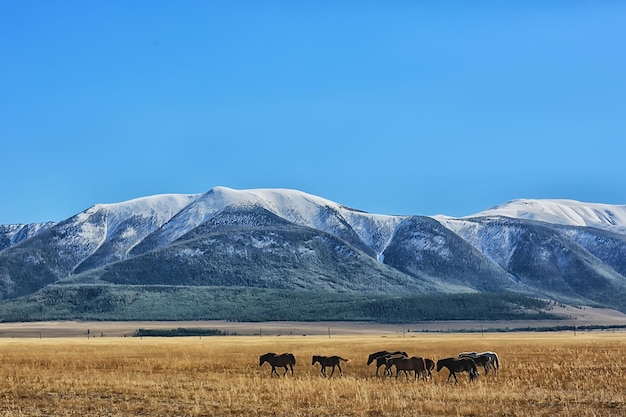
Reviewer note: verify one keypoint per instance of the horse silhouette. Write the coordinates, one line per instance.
(430, 365)
(326, 361)
(488, 360)
(284, 360)
(406, 365)
(382, 356)
(455, 365)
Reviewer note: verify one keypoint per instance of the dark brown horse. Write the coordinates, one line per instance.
(430, 365)
(455, 365)
(479, 359)
(284, 360)
(406, 365)
(325, 361)
(489, 360)
(382, 356)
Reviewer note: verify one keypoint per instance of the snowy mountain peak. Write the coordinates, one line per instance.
(565, 212)
(295, 206)
(160, 207)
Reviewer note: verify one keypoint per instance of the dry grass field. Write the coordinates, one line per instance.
(544, 374)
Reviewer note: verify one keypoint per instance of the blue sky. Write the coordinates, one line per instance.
(393, 107)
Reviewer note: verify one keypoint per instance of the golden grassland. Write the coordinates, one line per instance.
(544, 374)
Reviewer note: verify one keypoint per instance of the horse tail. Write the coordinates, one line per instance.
(293, 359)
(497, 360)
(345, 360)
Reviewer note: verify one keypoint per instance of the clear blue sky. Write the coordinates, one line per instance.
(393, 107)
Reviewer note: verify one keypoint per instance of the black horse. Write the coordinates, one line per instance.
(430, 365)
(382, 356)
(325, 361)
(479, 359)
(284, 360)
(489, 360)
(455, 365)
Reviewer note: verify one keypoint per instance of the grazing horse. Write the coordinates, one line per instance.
(334, 361)
(284, 360)
(455, 365)
(479, 360)
(414, 363)
(382, 356)
(430, 365)
(382, 360)
(495, 361)
(488, 360)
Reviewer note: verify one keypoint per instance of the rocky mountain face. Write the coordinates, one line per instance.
(286, 239)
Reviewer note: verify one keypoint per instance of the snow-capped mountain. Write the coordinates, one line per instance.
(565, 212)
(12, 234)
(291, 240)
(298, 207)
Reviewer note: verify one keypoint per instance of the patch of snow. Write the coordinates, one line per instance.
(565, 212)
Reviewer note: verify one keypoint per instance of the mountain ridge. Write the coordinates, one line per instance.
(288, 239)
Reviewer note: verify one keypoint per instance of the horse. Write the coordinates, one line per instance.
(414, 363)
(382, 360)
(430, 365)
(284, 360)
(479, 360)
(382, 356)
(488, 360)
(334, 361)
(495, 361)
(455, 365)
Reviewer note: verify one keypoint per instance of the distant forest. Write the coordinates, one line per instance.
(110, 302)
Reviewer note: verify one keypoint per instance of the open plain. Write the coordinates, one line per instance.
(541, 374)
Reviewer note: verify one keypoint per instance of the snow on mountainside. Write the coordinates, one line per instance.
(160, 208)
(116, 228)
(13, 234)
(565, 212)
(558, 248)
(295, 206)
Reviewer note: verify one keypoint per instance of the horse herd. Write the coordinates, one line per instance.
(421, 367)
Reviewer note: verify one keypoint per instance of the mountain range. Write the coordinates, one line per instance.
(279, 240)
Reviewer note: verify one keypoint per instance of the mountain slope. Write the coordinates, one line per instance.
(550, 259)
(564, 212)
(252, 247)
(12, 234)
(422, 245)
(295, 206)
(288, 240)
(99, 235)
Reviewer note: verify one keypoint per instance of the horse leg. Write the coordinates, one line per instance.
(291, 366)
(473, 374)
(340, 371)
(274, 371)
